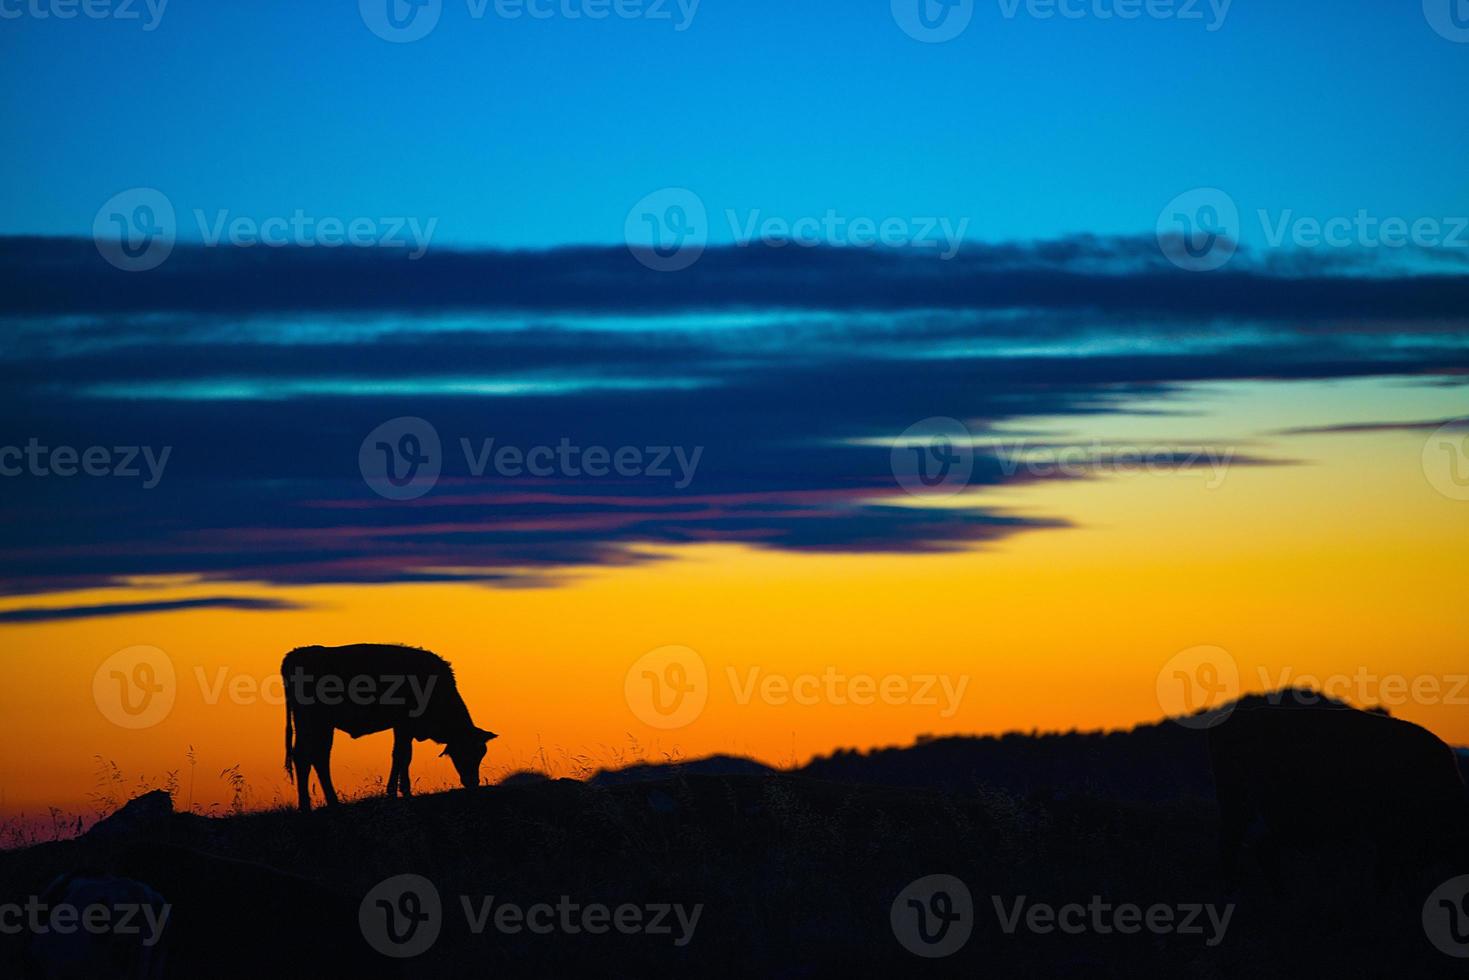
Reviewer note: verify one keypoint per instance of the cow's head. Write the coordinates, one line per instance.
(466, 752)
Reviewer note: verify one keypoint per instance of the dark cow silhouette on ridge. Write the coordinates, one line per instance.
(366, 688)
(1328, 778)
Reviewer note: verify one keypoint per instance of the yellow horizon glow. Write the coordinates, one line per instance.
(1347, 562)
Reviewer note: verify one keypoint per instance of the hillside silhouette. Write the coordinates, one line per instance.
(796, 871)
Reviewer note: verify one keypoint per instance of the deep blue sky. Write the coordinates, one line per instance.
(539, 133)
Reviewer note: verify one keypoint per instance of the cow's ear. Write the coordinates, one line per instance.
(486, 735)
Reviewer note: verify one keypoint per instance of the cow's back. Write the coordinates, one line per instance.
(407, 685)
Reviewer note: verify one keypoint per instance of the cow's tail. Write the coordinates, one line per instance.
(290, 746)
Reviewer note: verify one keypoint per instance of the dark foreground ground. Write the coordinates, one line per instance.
(797, 876)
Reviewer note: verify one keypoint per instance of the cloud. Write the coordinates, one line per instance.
(39, 275)
(1352, 428)
(789, 371)
(43, 614)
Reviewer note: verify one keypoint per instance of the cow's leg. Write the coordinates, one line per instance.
(402, 758)
(303, 757)
(324, 768)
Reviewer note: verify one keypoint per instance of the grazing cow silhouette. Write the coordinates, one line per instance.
(1332, 777)
(366, 688)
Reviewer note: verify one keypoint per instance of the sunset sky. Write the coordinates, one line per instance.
(1301, 504)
